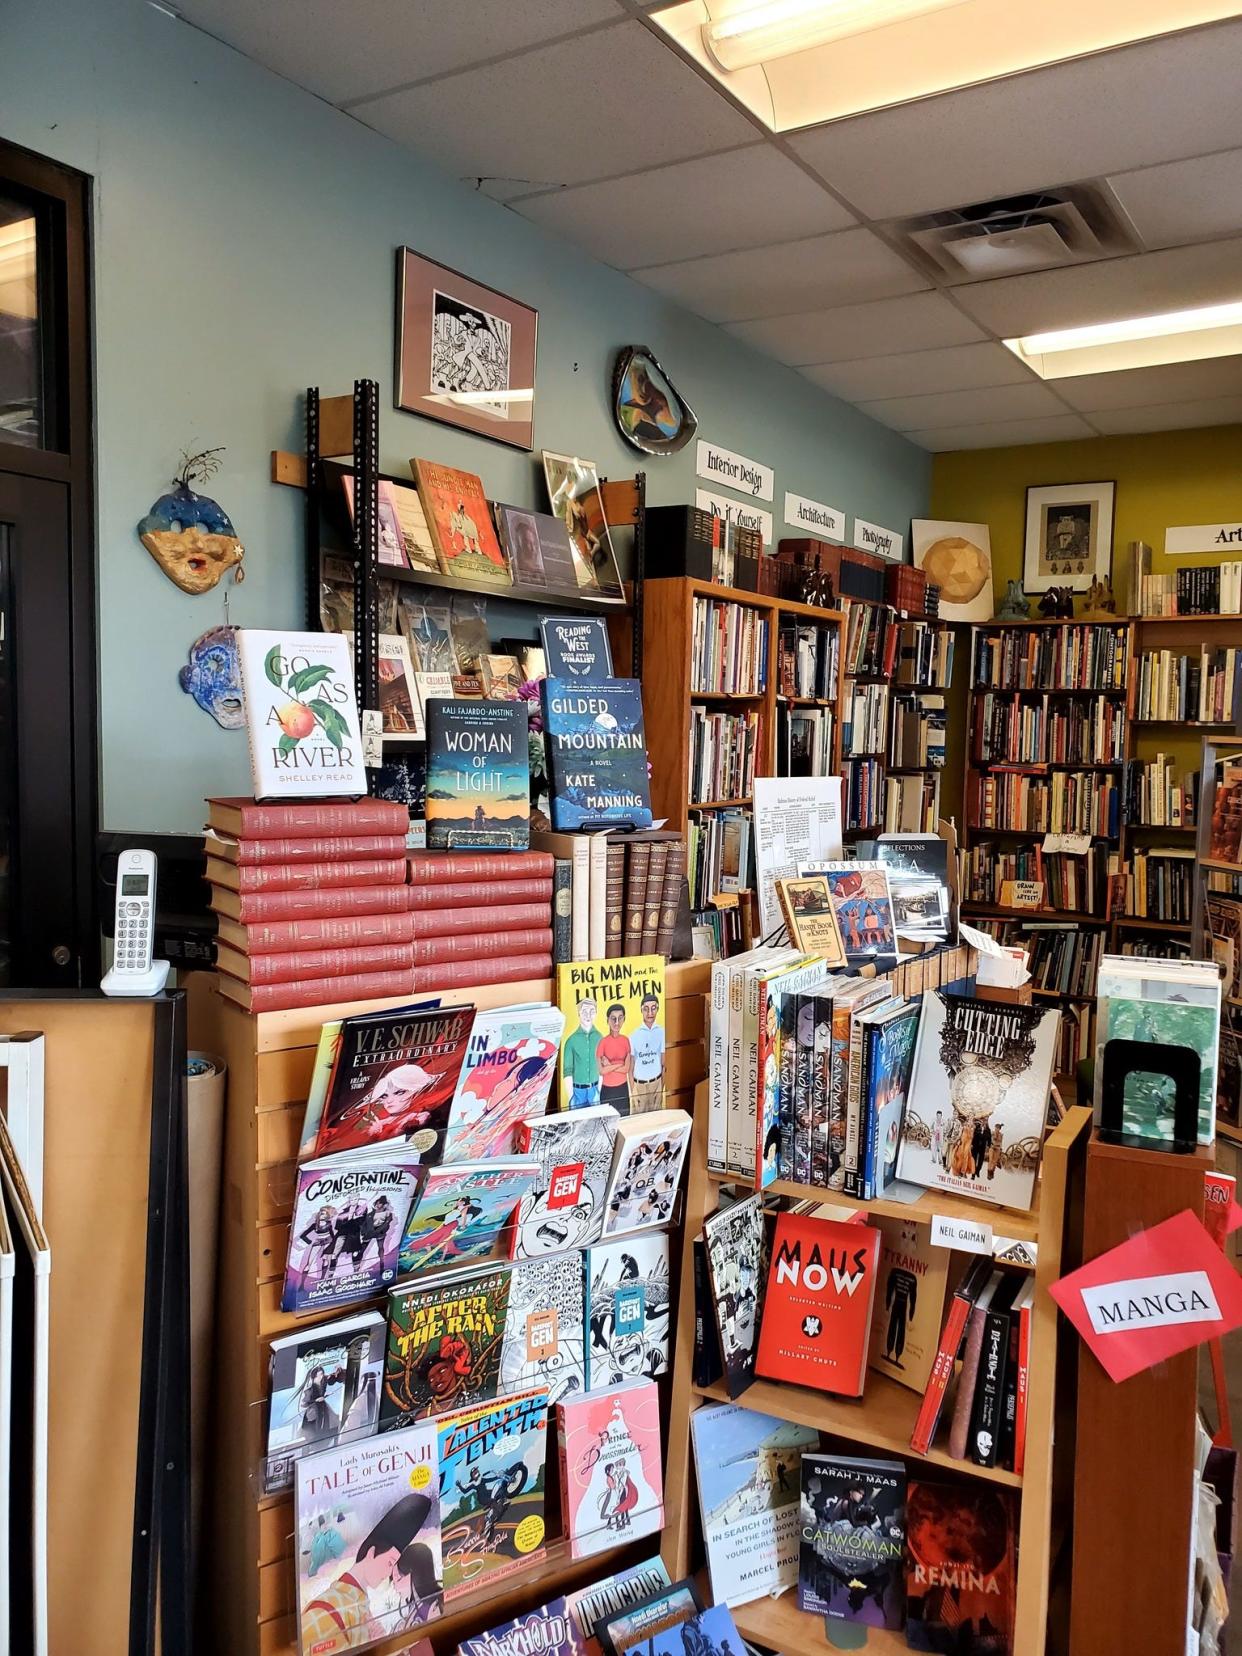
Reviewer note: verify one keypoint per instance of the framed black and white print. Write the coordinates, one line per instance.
(1069, 535)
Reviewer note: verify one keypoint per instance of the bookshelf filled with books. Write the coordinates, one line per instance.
(1216, 925)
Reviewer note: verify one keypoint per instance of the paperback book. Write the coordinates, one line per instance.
(810, 918)
(852, 1555)
(711, 1632)
(909, 1302)
(864, 908)
(612, 1484)
(589, 1606)
(565, 1207)
(596, 753)
(649, 1152)
(537, 546)
(918, 878)
(444, 1344)
(301, 714)
(545, 1327)
(1166, 1004)
(737, 1264)
(628, 1305)
(817, 1310)
(634, 1628)
(547, 1631)
(492, 1481)
(478, 775)
(325, 1389)
(888, 1060)
(348, 1215)
(460, 523)
(960, 1574)
(614, 1042)
(462, 1211)
(506, 1078)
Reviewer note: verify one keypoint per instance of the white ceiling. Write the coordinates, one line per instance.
(581, 119)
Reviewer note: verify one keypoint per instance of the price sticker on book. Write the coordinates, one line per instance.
(966, 1235)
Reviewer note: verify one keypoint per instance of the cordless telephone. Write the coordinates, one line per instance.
(133, 972)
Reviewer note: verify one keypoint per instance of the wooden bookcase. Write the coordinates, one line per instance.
(247, 1536)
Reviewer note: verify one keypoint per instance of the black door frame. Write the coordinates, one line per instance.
(65, 197)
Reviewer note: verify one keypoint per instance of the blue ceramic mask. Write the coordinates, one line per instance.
(213, 677)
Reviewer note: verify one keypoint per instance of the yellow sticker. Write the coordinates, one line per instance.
(423, 1139)
(529, 1534)
(420, 1477)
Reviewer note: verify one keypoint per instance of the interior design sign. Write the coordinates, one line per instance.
(872, 537)
(814, 516)
(735, 471)
(737, 511)
(1204, 537)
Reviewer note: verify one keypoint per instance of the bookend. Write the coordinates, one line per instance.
(1122, 1059)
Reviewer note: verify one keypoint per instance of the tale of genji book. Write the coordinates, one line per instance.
(348, 1217)
(478, 775)
(492, 1481)
(596, 753)
(301, 714)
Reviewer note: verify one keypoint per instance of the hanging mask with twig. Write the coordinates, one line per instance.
(188, 534)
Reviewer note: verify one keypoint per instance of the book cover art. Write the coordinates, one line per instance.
(737, 1267)
(888, 1067)
(589, 1606)
(506, 1078)
(565, 1208)
(325, 1389)
(367, 1541)
(321, 1080)
(909, 1302)
(348, 1215)
(444, 1343)
(394, 1078)
(614, 1042)
(390, 544)
(519, 536)
(544, 1343)
(864, 906)
(634, 1628)
(596, 752)
(407, 508)
(978, 1097)
(628, 1306)
(1136, 1001)
(478, 775)
(747, 1465)
(612, 1484)
(648, 1157)
(960, 1575)
(547, 1631)
(918, 878)
(460, 523)
(852, 1520)
(575, 498)
(462, 1210)
(400, 707)
(576, 648)
(301, 714)
(492, 1480)
(817, 1310)
(710, 1632)
(811, 918)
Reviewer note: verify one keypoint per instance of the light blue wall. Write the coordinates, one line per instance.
(244, 236)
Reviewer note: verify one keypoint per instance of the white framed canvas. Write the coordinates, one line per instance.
(1069, 535)
(957, 558)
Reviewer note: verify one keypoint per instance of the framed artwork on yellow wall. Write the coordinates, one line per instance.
(1069, 535)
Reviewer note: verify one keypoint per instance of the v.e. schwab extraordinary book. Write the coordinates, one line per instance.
(978, 1097)
(597, 753)
(817, 1311)
(506, 1077)
(301, 714)
(612, 1483)
(478, 775)
(461, 1211)
(959, 1568)
(348, 1216)
(325, 1390)
(852, 1525)
(492, 1480)
(460, 523)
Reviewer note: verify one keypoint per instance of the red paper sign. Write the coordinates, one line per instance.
(1165, 1290)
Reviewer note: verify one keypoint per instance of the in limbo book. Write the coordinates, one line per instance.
(460, 523)
(301, 714)
(444, 1344)
(613, 1047)
(478, 775)
(978, 1097)
(492, 1479)
(909, 1302)
(394, 1077)
(627, 1309)
(462, 1210)
(367, 1541)
(852, 1523)
(612, 1483)
(959, 1568)
(565, 1206)
(735, 1238)
(348, 1215)
(506, 1078)
(747, 1465)
(325, 1390)
(817, 1311)
(597, 753)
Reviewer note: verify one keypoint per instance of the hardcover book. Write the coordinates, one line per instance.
(596, 752)
(887, 1066)
(614, 1042)
(737, 1266)
(506, 1078)
(367, 1541)
(478, 776)
(627, 1309)
(647, 1159)
(960, 1576)
(444, 1344)
(852, 1555)
(460, 523)
(301, 714)
(547, 1630)
(918, 878)
(400, 707)
(909, 1302)
(978, 1097)
(539, 550)
(348, 1215)
(492, 1481)
(589, 1606)
(462, 1211)
(565, 1208)
(817, 1311)
(325, 1386)
(634, 1628)
(545, 1327)
(747, 1465)
(811, 918)
(576, 648)
(612, 1484)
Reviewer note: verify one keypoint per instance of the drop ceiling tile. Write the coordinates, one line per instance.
(675, 212)
(1161, 100)
(1180, 416)
(1145, 284)
(346, 51)
(957, 408)
(957, 368)
(917, 322)
(1060, 428)
(1184, 201)
(565, 113)
(1144, 387)
(785, 279)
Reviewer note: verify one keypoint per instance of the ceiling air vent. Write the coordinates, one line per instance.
(1040, 231)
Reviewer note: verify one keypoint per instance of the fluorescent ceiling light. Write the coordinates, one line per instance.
(755, 34)
(1136, 342)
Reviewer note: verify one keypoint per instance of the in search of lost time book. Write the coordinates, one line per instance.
(853, 1539)
(478, 775)
(960, 1568)
(301, 714)
(747, 1465)
(348, 1217)
(627, 1309)
(612, 1482)
(817, 1311)
(978, 1098)
(597, 753)
(367, 1541)
(506, 1078)
(492, 1482)
(325, 1386)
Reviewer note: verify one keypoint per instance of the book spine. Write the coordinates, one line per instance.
(567, 1518)
(292, 965)
(324, 848)
(322, 905)
(442, 867)
(708, 1365)
(432, 951)
(466, 974)
(670, 901)
(320, 876)
(717, 1069)
(477, 893)
(635, 898)
(1009, 1404)
(852, 1161)
(989, 1404)
(741, 990)
(655, 890)
(349, 932)
(614, 901)
(368, 816)
(597, 910)
(281, 997)
(959, 1427)
(562, 911)
(1022, 1389)
(941, 1373)
(581, 880)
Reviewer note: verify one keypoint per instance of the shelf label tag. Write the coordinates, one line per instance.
(967, 1235)
(1203, 537)
(801, 513)
(1077, 845)
(734, 471)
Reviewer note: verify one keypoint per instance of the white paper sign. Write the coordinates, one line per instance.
(735, 471)
(1151, 1302)
(1204, 537)
(871, 537)
(967, 1235)
(797, 820)
(737, 511)
(813, 515)
(1076, 844)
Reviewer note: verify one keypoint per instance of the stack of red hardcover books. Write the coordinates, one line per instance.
(320, 902)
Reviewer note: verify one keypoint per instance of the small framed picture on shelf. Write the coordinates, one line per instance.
(465, 353)
(1069, 535)
(575, 497)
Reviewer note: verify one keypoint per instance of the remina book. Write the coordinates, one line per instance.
(597, 753)
(301, 714)
(959, 1568)
(478, 776)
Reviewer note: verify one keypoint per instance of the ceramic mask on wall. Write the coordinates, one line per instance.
(213, 677)
(189, 535)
